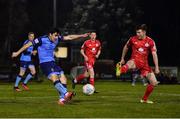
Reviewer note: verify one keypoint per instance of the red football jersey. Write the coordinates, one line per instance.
(91, 48)
(141, 48)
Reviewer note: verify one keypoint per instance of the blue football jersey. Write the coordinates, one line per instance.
(46, 48)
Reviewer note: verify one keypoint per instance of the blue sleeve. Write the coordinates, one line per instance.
(26, 52)
(37, 42)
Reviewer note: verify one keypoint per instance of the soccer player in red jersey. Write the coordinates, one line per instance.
(141, 46)
(90, 50)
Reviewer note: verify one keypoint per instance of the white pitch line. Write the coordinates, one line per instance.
(104, 96)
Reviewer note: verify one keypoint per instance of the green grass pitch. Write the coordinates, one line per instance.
(116, 99)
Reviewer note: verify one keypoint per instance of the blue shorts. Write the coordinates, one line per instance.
(49, 68)
(26, 64)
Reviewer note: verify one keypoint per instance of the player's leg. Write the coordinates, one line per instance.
(91, 76)
(18, 78)
(29, 76)
(129, 65)
(59, 87)
(63, 81)
(49, 69)
(61, 84)
(80, 77)
(150, 87)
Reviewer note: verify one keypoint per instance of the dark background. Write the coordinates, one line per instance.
(113, 20)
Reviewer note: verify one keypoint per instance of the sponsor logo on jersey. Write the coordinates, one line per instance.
(140, 49)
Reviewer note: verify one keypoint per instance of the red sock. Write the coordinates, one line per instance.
(80, 77)
(148, 91)
(124, 68)
(91, 81)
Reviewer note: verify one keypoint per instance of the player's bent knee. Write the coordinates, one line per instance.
(154, 82)
(33, 73)
(53, 78)
(91, 74)
(21, 74)
(87, 75)
(63, 79)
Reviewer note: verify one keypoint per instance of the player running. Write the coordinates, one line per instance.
(141, 46)
(46, 46)
(90, 50)
(26, 62)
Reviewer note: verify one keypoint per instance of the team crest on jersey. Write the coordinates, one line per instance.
(36, 41)
(147, 45)
(140, 49)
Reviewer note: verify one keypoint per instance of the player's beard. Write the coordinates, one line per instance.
(142, 37)
(93, 39)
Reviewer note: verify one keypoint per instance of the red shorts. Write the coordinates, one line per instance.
(90, 63)
(143, 67)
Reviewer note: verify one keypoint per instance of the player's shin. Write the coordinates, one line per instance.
(124, 68)
(18, 79)
(80, 77)
(63, 80)
(91, 81)
(148, 91)
(60, 88)
(28, 77)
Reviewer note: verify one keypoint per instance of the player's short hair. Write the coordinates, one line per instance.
(29, 33)
(141, 27)
(54, 30)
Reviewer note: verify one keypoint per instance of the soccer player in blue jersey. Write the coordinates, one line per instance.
(46, 46)
(26, 62)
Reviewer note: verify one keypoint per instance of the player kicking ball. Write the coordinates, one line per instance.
(141, 46)
(90, 50)
(46, 45)
(26, 62)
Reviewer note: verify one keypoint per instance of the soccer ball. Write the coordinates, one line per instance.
(88, 89)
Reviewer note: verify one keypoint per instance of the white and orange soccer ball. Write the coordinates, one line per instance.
(88, 89)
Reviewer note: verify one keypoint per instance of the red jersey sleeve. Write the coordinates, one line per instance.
(83, 46)
(152, 46)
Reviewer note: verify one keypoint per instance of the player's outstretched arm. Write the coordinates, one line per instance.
(73, 37)
(15, 54)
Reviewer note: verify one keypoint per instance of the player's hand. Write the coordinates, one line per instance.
(85, 35)
(14, 54)
(86, 58)
(97, 56)
(122, 61)
(157, 71)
